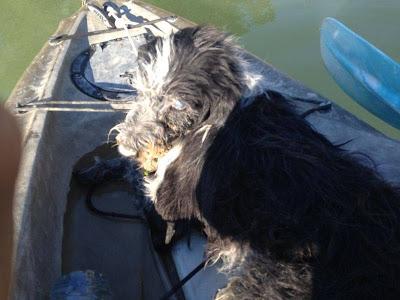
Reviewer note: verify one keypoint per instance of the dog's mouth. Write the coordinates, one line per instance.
(147, 146)
(147, 156)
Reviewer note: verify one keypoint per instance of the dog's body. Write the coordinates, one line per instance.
(290, 214)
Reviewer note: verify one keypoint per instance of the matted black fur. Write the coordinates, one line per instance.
(269, 180)
(289, 213)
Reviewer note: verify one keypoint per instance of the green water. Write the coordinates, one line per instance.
(282, 32)
(25, 26)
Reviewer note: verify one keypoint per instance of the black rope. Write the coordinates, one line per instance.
(92, 208)
(326, 105)
(181, 283)
(321, 104)
(140, 219)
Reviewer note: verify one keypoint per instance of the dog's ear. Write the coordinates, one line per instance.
(176, 198)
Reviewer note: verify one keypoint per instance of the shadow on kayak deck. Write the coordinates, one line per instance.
(120, 249)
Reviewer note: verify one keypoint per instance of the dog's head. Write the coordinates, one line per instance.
(184, 81)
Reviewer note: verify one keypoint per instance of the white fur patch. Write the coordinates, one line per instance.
(231, 256)
(164, 162)
(253, 79)
(153, 77)
(125, 151)
(206, 130)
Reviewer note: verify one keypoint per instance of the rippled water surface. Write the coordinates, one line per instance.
(282, 32)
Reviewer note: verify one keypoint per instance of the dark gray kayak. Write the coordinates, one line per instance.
(55, 233)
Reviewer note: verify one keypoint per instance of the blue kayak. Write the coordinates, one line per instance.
(363, 71)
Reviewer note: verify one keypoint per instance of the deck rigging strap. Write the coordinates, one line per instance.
(75, 106)
(113, 13)
(321, 105)
(55, 40)
(94, 209)
(182, 282)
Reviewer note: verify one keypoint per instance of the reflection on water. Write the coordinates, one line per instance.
(237, 16)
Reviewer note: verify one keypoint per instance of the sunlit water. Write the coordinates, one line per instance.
(282, 32)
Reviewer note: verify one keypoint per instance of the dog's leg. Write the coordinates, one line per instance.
(257, 275)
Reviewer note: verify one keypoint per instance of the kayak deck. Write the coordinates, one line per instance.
(50, 208)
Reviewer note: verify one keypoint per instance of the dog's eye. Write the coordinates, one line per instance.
(179, 105)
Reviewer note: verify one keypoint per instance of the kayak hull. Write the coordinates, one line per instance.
(364, 72)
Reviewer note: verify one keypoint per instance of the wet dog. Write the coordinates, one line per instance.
(289, 214)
